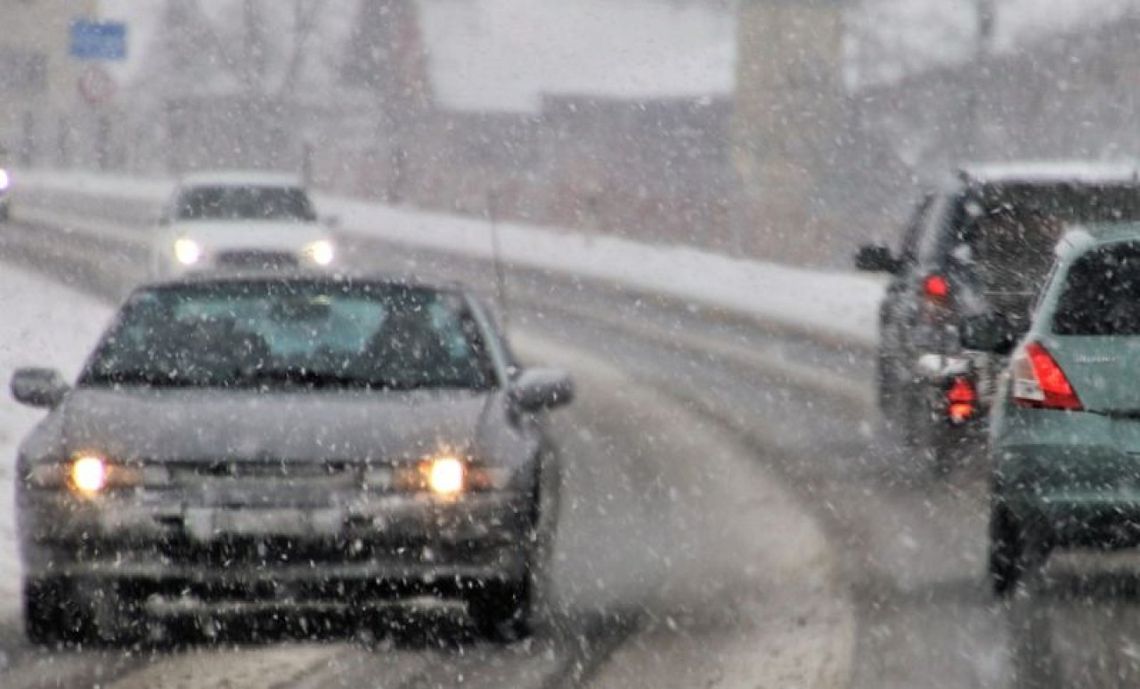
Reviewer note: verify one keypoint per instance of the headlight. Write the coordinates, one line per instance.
(5, 179)
(320, 252)
(187, 251)
(89, 475)
(446, 476)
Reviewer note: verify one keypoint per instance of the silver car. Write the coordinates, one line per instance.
(253, 440)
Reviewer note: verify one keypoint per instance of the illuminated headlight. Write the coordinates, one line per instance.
(320, 252)
(187, 251)
(89, 475)
(5, 179)
(446, 476)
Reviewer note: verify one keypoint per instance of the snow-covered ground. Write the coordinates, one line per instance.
(41, 324)
(836, 305)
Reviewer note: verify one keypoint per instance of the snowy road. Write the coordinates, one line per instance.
(730, 583)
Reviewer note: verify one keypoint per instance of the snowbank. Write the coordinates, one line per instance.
(43, 324)
(837, 305)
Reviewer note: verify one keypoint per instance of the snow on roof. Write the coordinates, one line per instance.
(504, 55)
(240, 178)
(1051, 171)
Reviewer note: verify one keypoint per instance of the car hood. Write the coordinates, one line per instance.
(260, 234)
(211, 425)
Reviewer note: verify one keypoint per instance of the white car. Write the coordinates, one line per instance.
(240, 221)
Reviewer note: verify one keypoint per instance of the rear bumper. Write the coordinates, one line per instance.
(1108, 519)
(1071, 475)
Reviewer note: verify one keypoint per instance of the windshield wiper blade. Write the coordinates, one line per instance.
(139, 377)
(302, 377)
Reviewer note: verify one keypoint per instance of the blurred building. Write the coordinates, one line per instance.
(788, 128)
(38, 78)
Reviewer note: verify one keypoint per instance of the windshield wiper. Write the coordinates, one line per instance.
(305, 377)
(139, 377)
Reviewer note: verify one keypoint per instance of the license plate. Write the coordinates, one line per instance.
(209, 524)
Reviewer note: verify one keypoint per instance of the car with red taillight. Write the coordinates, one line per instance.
(980, 243)
(1065, 428)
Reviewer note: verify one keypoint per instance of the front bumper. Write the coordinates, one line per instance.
(378, 546)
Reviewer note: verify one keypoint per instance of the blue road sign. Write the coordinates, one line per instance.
(98, 40)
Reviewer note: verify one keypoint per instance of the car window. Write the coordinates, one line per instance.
(244, 203)
(237, 334)
(999, 239)
(1101, 295)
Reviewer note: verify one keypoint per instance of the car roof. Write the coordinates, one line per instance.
(1082, 238)
(240, 178)
(300, 276)
(1050, 172)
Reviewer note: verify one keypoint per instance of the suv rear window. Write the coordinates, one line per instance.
(1004, 234)
(1102, 293)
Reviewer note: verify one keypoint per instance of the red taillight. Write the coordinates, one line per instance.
(1038, 380)
(961, 398)
(936, 287)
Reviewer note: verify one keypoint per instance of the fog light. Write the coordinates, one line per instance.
(89, 475)
(446, 476)
(187, 251)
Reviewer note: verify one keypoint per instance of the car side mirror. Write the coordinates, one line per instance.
(991, 332)
(876, 258)
(39, 387)
(537, 389)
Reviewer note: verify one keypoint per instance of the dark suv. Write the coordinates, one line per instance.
(980, 244)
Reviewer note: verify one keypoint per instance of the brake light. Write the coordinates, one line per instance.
(961, 398)
(1038, 380)
(935, 287)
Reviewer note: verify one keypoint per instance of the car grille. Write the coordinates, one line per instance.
(256, 259)
(261, 484)
(188, 471)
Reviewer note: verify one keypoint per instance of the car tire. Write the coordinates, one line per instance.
(502, 610)
(52, 615)
(118, 615)
(1014, 553)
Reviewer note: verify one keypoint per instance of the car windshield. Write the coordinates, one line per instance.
(1101, 295)
(244, 203)
(282, 334)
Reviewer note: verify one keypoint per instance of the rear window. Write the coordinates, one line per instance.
(1003, 236)
(1101, 294)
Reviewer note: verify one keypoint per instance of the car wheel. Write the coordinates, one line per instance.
(1014, 554)
(118, 615)
(502, 610)
(52, 615)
